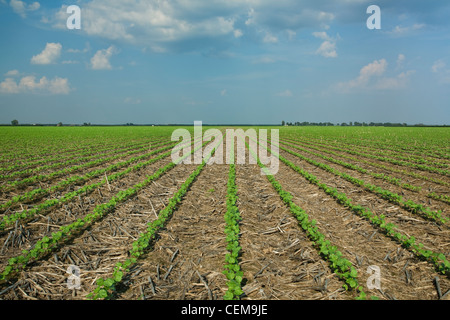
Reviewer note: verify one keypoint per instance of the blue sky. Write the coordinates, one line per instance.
(221, 62)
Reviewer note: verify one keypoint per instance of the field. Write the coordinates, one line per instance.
(104, 213)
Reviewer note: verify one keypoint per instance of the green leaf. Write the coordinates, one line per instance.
(102, 293)
(118, 276)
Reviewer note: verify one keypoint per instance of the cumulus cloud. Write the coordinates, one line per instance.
(29, 84)
(392, 83)
(100, 61)
(372, 76)
(376, 68)
(328, 47)
(21, 8)
(49, 55)
(12, 73)
(187, 25)
(238, 33)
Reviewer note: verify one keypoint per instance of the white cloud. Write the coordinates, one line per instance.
(285, 94)
(9, 85)
(439, 67)
(269, 38)
(372, 77)
(394, 83)
(85, 50)
(49, 55)
(21, 8)
(400, 60)
(223, 92)
(130, 100)
(238, 33)
(376, 68)
(403, 31)
(12, 73)
(70, 62)
(100, 61)
(263, 60)
(321, 35)
(29, 84)
(328, 47)
(192, 25)
(291, 34)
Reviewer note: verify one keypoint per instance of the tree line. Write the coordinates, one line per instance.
(352, 124)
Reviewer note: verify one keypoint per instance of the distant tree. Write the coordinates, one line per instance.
(59, 124)
(15, 123)
(283, 123)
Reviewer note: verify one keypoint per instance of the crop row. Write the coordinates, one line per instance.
(9, 220)
(383, 193)
(342, 267)
(55, 161)
(232, 231)
(49, 243)
(377, 165)
(39, 193)
(382, 176)
(81, 161)
(441, 197)
(55, 174)
(379, 148)
(106, 287)
(437, 259)
(390, 160)
(398, 142)
(43, 148)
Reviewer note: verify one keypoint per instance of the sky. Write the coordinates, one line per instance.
(224, 62)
